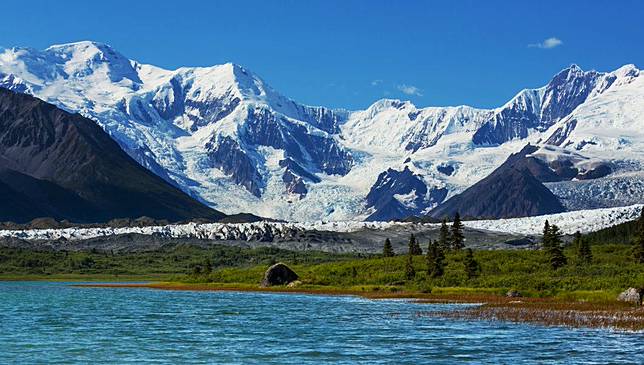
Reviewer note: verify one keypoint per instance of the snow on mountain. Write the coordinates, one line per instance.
(609, 125)
(538, 109)
(227, 138)
(569, 222)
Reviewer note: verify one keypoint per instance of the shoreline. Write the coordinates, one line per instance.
(612, 315)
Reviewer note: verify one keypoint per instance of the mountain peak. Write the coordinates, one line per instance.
(627, 70)
(81, 59)
(87, 50)
(79, 45)
(569, 72)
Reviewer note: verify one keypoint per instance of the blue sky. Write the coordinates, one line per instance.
(349, 53)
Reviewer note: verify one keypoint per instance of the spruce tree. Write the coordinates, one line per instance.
(440, 261)
(638, 251)
(207, 267)
(554, 249)
(387, 250)
(546, 235)
(435, 260)
(472, 267)
(443, 238)
(586, 252)
(581, 244)
(430, 258)
(414, 246)
(576, 242)
(457, 239)
(410, 272)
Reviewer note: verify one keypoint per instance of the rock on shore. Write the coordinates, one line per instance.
(631, 295)
(279, 274)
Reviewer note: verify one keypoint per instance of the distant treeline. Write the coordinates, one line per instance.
(623, 233)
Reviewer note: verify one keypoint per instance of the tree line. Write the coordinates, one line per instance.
(452, 239)
(552, 244)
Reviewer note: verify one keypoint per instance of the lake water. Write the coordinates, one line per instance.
(56, 323)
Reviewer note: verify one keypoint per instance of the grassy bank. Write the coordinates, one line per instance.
(169, 263)
(612, 270)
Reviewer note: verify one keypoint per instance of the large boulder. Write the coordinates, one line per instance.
(631, 295)
(278, 274)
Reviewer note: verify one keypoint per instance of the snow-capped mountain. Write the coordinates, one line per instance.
(224, 136)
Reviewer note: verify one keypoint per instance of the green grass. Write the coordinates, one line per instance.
(612, 270)
(164, 264)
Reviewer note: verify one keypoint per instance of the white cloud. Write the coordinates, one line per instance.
(551, 42)
(376, 82)
(410, 90)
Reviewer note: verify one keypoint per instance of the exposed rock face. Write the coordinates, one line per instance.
(631, 295)
(226, 154)
(263, 127)
(445, 169)
(279, 274)
(295, 177)
(401, 194)
(539, 109)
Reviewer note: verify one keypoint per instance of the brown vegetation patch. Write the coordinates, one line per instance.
(613, 315)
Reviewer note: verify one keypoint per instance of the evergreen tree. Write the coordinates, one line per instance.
(638, 251)
(443, 237)
(472, 267)
(414, 246)
(410, 272)
(435, 260)
(457, 239)
(554, 249)
(207, 267)
(576, 242)
(582, 245)
(430, 258)
(387, 250)
(546, 235)
(586, 251)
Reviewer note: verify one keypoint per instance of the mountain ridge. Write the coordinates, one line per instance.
(224, 136)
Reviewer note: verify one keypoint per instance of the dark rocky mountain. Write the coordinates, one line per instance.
(392, 184)
(62, 165)
(514, 189)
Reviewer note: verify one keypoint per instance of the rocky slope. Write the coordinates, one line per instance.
(514, 189)
(61, 165)
(223, 135)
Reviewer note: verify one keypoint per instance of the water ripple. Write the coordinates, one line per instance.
(58, 324)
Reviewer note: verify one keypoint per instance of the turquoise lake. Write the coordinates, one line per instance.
(56, 323)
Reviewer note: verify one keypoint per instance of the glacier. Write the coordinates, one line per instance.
(583, 220)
